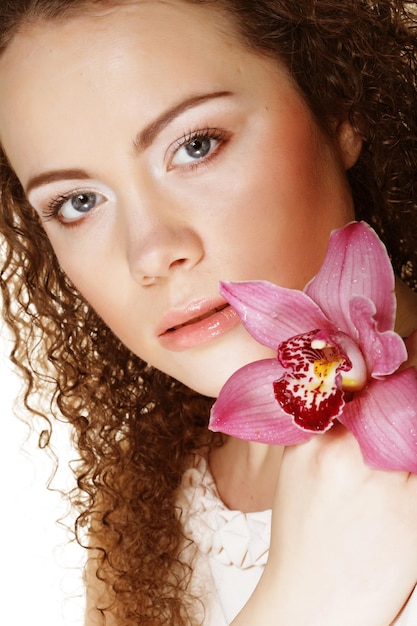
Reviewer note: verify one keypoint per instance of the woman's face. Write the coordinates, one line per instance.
(163, 157)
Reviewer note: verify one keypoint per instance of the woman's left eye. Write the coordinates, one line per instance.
(197, 147)
(72, 207)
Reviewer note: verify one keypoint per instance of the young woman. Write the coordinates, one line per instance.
(150, 150)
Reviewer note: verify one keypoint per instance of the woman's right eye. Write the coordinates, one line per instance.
(74, 206)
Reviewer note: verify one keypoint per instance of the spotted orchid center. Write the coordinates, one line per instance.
(321, 366)
(328, 359)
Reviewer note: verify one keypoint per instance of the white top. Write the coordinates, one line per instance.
(232, 549)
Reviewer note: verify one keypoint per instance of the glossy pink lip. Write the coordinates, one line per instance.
(196, 324)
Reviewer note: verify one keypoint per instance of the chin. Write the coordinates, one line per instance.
(214, 363)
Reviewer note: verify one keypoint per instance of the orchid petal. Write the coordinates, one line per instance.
(384, 352)
(356, 264)
(247, 408)
(383, 418)
(270, 313)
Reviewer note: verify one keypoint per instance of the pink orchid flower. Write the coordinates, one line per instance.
(337, 358)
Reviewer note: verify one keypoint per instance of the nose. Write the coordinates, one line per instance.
(160, 243)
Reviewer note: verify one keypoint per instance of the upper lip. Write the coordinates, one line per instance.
(190, 313)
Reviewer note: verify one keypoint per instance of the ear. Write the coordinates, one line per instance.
(350, 143)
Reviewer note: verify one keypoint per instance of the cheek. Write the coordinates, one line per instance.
(92, 269)
(280, 218)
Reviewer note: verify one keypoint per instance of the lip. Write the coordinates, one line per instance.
(198, 323)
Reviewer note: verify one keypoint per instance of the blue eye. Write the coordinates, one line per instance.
(197, 146)
(72, 207)
(83, 202)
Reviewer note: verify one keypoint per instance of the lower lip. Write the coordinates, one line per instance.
(200, 332)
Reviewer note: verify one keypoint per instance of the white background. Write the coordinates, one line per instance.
(40, 570)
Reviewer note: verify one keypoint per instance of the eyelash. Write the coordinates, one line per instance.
(55, 205)
(217, 134)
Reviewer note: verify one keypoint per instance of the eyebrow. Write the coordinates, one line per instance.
(50, 177)
(142, 141)
(146, 136)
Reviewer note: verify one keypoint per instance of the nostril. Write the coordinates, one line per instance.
(178, 263)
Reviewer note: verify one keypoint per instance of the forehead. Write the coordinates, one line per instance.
(144, 21)
(140, 49)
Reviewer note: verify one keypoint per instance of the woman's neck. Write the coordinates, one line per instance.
(246, 473)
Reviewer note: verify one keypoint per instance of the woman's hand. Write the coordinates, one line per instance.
(355, 529)
(344, 537)
(344, 540)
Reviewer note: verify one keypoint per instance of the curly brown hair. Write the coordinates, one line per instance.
(131, 424)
